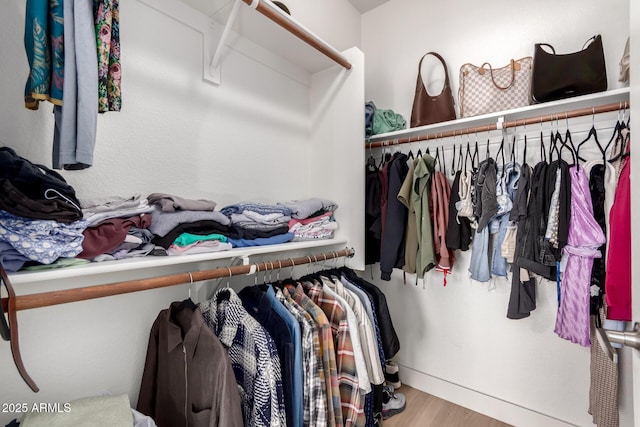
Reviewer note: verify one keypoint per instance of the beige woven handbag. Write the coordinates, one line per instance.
(485, 89)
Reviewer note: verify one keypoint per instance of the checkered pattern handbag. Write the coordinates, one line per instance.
(485, 89)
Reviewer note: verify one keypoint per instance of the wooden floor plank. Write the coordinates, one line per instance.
(425, 410)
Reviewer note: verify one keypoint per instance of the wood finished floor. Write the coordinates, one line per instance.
(425, 410)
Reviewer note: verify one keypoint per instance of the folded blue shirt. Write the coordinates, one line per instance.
(261, 241)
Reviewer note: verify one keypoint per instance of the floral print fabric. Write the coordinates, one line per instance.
(107, 21)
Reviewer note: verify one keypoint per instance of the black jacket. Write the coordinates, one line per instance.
(372, 214)
(34, 191)
(392, 250)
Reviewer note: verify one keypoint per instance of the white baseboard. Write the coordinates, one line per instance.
(490, 406)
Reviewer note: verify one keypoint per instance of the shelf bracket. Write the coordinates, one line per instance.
(213, 72)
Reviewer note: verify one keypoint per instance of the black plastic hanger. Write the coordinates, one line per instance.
(512, 157)
(475, 160)
(553, 145)
(592, 134)
(500, 153)
(543, 149)
(444, 162)
(453, 161)
(568, 144)
(460, 158)
(524, 153)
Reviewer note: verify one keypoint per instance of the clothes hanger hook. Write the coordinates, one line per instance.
(279, 268)
(190, 282)
(229, 276)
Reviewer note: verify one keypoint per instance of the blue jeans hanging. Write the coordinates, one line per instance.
(479, 265)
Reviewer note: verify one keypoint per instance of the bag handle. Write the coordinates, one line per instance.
(584, 46)
(444, 65)
(514, 67)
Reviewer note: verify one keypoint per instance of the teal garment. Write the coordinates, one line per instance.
(186, 239)
(421, 195)
(43, 42)
(387, 121)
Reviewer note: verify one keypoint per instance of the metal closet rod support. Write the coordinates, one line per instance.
(629, 339)
(581, 112)
(14, 303)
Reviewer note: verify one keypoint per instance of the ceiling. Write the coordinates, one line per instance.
(366, 5)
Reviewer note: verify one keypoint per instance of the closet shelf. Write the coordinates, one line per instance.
(185, 262)
(495, 120)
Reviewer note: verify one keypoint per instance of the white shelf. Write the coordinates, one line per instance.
(586, 101)
(184, 262)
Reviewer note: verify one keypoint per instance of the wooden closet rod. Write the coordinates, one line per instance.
(14, 303)
(300, 32)
(45, 299)
(509, 124)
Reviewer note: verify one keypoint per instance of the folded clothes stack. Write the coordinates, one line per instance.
(312, 219)
(118, 228)
(259, 224)
(43, 224)
(40, 216)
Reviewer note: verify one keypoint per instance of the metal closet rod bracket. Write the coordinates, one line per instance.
(629, 339)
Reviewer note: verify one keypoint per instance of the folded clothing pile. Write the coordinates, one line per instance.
(117, 228)
(40, 216)
(312, 219)
(258, 224)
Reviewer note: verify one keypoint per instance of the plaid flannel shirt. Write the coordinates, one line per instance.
(315, 396)
(351, 401)
(334, 407)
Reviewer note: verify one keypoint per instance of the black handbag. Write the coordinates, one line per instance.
(558, 76)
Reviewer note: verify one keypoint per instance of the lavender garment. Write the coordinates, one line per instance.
(585, 237)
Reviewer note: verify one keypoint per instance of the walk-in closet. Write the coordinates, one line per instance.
(234, 137)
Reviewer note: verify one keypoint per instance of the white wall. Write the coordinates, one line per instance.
(248, 139)
(456, 340)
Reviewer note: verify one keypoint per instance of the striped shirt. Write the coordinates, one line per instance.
(254, 358)
(350, 398)
(367, 334)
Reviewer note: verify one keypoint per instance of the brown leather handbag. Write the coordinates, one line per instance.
(428, 109)
(557, 76)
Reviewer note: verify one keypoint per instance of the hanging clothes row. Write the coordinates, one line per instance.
(302, 352)
(538, 220)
